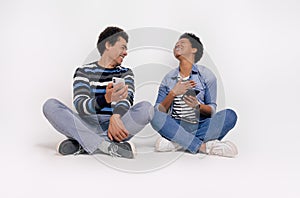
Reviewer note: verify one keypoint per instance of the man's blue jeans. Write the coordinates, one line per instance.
(191, 136)
(91, 130)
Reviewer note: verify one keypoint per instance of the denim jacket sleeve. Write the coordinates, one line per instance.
(162, 91)
(168, 82)
(210, 80)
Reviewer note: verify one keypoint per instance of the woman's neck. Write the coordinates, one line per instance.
(185, 68)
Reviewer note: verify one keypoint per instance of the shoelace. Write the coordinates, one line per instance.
(216, 150)
(80, 150)
(211, 151)
(113, 151)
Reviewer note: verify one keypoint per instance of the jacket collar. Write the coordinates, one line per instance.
(194, 71)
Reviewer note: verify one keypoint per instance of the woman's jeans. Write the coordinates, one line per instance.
(191, 136)
(91, 130)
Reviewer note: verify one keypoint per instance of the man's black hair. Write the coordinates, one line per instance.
(110, 34)
(196, 43)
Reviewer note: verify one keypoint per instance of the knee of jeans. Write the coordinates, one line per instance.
(158, 121)
(231, 116)
(147, 107)
(49, 106)
(165, 125)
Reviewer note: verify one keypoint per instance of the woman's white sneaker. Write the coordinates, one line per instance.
(221, 148)
(164, 145)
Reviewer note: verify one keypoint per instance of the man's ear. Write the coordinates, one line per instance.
(194, 50)
(107, 45)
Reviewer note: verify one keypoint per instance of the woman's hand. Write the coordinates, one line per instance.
(181, 87)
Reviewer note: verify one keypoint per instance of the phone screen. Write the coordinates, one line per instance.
(191, 92)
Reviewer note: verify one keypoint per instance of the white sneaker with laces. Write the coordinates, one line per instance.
(164, 145)
(221, 148)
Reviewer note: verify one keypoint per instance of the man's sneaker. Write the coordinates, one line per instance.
(69, 147)
(122, 149)
(164, 145)
(221, 148)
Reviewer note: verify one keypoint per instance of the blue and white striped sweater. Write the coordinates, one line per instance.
(89, 88)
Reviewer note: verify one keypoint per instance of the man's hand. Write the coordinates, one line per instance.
(120, 92)
(116, 93)
(109, 90)
(181, 87)
(116, 129)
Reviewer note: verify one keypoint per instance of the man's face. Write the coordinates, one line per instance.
(118, 51)
(183, 49)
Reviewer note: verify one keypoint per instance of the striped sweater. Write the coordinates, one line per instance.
(181, 110)
(89, 88)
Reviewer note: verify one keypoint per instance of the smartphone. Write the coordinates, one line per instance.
(116, 80)
(191, 92)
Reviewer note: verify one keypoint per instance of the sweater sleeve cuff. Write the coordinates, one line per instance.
(121, 110)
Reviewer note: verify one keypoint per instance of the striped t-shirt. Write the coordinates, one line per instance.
(181, 110)
(89, 88)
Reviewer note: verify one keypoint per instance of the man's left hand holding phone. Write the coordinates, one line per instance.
(116, 91)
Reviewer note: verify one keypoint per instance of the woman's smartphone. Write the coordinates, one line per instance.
(191, 92)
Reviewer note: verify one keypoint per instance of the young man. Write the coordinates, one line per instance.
(185, 111)
(106, 118)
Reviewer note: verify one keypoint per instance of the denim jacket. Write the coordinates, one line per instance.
(206, 83)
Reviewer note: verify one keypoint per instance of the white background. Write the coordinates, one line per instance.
(254, 44)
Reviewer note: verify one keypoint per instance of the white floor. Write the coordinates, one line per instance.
(30, 167)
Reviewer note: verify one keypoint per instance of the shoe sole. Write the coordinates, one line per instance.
(134, 153)
(57, 148)
(59, 151)
(157, 145)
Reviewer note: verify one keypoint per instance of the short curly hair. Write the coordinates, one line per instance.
(196, 43)
(110, 34)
